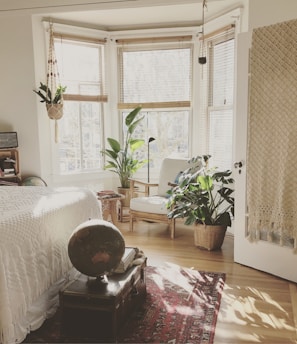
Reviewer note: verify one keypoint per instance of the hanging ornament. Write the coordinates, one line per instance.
(202, 59)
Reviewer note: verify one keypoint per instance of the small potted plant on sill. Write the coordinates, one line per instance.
(54, 102)
(204, 198)
(122, 159)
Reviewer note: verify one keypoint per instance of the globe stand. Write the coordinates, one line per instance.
(98, 282)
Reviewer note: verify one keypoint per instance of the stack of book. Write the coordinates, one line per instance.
(126, 260)
(107, 194)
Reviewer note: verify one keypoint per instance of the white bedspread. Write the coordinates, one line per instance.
(35, 226)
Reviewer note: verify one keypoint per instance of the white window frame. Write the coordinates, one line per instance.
(142, 44)
(205, 105)
(81, 177)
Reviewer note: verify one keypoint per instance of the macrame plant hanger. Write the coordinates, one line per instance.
(54, 108)
(202, 54)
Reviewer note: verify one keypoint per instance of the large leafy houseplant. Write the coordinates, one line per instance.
(203, 195)
(122, 159)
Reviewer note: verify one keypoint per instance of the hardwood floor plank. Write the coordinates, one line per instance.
(256, 307)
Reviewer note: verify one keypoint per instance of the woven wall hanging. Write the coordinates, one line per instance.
(272, 141)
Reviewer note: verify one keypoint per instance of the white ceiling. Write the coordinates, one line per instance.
(178, 13)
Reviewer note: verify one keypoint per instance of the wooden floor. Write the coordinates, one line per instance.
(256, 307)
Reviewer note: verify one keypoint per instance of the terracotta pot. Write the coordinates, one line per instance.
(209, 237)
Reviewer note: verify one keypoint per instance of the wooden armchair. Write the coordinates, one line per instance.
(153, 208)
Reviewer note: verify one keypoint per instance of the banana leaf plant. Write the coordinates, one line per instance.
(121, 159)
(203, 195)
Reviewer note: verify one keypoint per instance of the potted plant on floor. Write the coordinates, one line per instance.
(121, 158)
(204, 198)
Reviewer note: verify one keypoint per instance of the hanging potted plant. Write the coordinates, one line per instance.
(50, 93)
(54, 102)
(204, 198)
(121, 158)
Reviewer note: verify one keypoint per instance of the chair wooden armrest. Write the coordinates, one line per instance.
(147, 185)
(172, 184)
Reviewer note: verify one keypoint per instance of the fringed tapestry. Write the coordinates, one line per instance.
(272, 135)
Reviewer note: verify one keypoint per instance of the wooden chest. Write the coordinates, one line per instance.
(90, 311)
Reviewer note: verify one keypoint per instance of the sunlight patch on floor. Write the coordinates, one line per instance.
(253, 307)
(238, 335)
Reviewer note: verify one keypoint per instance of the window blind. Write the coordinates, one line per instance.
(88, 81)
(221, 73)
(217, 95)
(155, 76)
(220, 98)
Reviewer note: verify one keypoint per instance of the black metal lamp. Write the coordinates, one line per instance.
(151, 139)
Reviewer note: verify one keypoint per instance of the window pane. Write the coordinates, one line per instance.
(220, 138)
(220, 100)
(223, 73)
(80, 66)
(156, 75)
(159, 75)
(80, 143)
(171, 132)
(81, 128)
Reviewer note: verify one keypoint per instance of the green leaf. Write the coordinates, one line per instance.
(206, 182)
(136, 144)
(114, 144)
(111, 154)
(130, 117)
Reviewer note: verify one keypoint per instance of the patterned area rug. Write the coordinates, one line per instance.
(181, 307)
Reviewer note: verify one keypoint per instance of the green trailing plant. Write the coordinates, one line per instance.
(203, 195)
(121, 159)
(46, 95)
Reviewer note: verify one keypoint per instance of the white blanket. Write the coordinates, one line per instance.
(35, 226)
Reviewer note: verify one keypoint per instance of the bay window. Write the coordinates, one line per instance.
(156, 74)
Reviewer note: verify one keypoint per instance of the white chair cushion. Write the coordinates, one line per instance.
(152, 204)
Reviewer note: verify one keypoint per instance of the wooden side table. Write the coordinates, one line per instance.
(100, 312)
(109, 205)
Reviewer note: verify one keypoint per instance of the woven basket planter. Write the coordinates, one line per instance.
(209, 237)
(54, 111)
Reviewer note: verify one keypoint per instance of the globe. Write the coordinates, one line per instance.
(95, 248)
(33, 181)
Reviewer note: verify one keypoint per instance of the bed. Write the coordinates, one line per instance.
(35, 226)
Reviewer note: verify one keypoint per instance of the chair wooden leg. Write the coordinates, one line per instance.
(172, 228)
(131, 223)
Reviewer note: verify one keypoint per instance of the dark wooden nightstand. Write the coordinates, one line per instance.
(98, 312)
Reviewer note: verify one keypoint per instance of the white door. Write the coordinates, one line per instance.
(262, 255)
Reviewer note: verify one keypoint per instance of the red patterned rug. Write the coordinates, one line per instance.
(181, 307)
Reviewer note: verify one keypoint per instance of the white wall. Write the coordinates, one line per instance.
(267, 12)
(17, 100)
